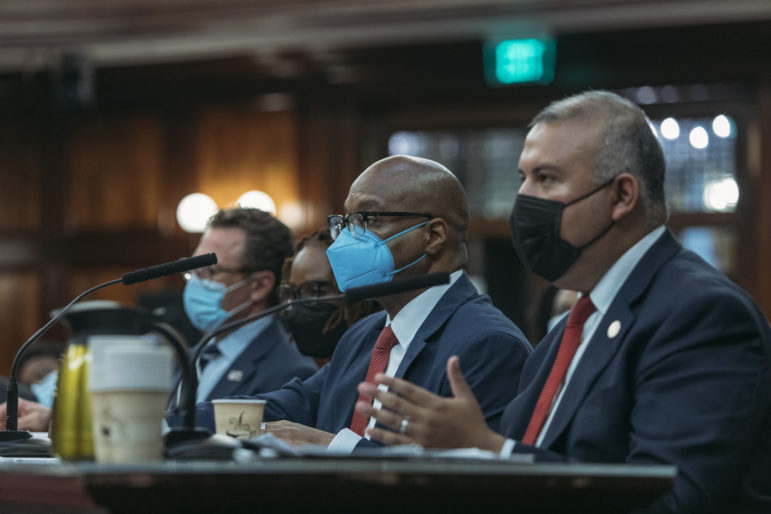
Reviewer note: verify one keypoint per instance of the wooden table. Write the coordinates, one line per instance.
(330, 485)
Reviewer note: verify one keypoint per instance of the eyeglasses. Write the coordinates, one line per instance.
(309, 289)
(209, 271)
(357, 221)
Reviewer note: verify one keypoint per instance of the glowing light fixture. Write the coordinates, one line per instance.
(257, 200)
(194, 211)
(722, 126)
(721, 195)
(670, 129)
(699, 138)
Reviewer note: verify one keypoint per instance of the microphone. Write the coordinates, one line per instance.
(188, 389)
(11, 428)
(397, 286)
(169, 268)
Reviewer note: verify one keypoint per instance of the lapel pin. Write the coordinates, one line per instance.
(235, 375)
(614, 328)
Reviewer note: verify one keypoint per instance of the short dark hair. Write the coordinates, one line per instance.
(628, 143)
(268, 241)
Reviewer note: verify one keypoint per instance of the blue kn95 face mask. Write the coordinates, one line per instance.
(364, 259)
(203, 302)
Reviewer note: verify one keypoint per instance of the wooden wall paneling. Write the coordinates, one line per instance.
(241, 149)
(114, 173)
(19, 306)
(762, 243)
(20, 175)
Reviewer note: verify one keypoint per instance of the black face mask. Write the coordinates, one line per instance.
(315, 327)
(535, 232)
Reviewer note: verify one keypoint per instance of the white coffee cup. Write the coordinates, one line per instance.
(129, 380)
(238, 418)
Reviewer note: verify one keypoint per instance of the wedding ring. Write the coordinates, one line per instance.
(403, 426)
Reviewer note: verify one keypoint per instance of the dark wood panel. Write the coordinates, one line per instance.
(242, 149)
(114, 173)
(21, 149)
(19, 306)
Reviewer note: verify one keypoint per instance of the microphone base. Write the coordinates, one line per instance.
(20, 443)
(184, 435)
(14, 435)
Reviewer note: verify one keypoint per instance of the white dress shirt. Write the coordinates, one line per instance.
(602, 297)
(404, 325)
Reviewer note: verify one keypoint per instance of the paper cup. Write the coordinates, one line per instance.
(238, 418)
(129, 391)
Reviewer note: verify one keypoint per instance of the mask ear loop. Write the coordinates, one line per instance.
(241, 307)
(392, 273)
(404, 232)
(590, 193)
(606, 229)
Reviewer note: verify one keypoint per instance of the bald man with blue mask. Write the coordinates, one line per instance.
(404, 216)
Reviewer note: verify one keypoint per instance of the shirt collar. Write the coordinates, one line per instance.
(607, 288)
(233, 344)
(409, 319)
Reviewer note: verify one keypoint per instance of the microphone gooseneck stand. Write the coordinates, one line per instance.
(18, 439)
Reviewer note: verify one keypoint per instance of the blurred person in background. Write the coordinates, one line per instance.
(317, 327)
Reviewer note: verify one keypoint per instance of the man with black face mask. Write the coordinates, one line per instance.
(661, 360)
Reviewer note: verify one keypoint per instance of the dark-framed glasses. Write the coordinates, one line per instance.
(210, 271)
(357, 221)
(310, 289)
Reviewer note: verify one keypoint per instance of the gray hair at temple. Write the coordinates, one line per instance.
(628, 143)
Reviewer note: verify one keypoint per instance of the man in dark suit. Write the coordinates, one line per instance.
(406, 217)
(251, 246)
(663, 360)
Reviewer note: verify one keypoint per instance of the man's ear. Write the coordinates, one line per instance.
(436, 237)
(626, 195)
(261, 286)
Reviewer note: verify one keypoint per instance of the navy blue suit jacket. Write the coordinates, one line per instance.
(685, 382)
(491, 348)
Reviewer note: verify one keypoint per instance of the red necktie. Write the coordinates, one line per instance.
(377, 364)
(570, 341)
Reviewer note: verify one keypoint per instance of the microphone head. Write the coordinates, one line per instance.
(169, 268)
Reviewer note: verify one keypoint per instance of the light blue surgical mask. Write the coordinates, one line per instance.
(203, 302)
(364, 259)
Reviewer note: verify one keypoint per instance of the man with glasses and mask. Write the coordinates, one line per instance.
(251, 246)
(406, 217)
(662, 360)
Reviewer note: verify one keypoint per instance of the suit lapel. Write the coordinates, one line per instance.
(609, 335)
(244, 368)
(453, 298)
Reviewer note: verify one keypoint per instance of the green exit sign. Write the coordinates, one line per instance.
(520, 61)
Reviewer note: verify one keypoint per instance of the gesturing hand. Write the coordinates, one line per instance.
(431, 420)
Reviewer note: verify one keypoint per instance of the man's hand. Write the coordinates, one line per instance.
(32, 416)
(297, 434)
(431, 421)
